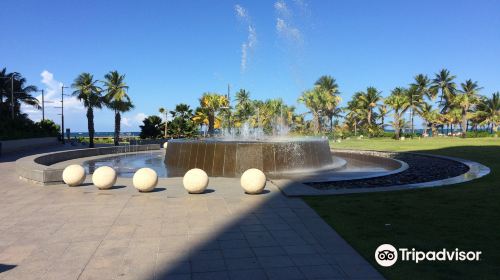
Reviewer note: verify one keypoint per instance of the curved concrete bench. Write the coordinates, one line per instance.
(38, 169)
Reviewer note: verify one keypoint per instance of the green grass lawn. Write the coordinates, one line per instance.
(464, 216)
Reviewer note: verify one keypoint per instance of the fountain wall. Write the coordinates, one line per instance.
(232, 158)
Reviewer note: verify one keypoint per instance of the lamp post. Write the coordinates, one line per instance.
(43, 103)
(62, 113)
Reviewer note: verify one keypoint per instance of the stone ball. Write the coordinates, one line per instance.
(195, 181)
(145, 179)
(73, 175)
(253, 181)
(165, 145)
(104, 177)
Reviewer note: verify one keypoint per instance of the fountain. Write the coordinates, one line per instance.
(230, 158)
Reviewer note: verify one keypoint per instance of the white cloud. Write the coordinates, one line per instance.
(241, 12)
(281, 7)
(139, 117)
(291, 33)
(52, 96)
(248, 46)
(126, 122)
(286, 24)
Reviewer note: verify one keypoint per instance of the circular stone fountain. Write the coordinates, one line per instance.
(228, 158)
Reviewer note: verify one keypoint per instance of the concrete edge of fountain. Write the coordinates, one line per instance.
(476, 170)
(47, 168)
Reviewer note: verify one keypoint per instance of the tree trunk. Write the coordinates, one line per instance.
(331, 124)
(316, 123)
(117, 128)
(464, 123)
(396, 127)
(434, 130)
(211, 123)
(494, 127)
(411, 115)
(90, 123)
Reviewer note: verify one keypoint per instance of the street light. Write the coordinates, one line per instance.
(43, 103)
(62, 113)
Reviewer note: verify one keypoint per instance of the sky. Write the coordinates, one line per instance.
(173, 51)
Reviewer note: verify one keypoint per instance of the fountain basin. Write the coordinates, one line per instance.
(223, 158)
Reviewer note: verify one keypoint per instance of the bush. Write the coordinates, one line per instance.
(478, 134)
(22, 127)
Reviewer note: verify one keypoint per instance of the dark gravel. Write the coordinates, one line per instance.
(421, 169)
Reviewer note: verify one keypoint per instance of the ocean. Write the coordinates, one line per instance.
(103, 134)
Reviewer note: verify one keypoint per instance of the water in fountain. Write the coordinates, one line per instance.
(249, 133)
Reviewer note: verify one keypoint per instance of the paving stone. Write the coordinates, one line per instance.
(284, 273)
(58, 232)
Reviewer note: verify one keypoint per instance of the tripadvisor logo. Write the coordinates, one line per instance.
(387, 255)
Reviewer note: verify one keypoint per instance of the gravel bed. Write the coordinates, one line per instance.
(421, 169)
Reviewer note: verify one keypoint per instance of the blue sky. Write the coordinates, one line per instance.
(173, 51)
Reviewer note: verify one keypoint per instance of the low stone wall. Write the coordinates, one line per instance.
(10, 146)
(37, 168)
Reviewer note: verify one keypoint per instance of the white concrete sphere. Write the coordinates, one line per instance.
(253, 181)
(145, 179)
(104, 177)
(73, 175)
(195, 181)
(165, 145)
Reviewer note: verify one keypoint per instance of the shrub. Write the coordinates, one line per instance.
(22, 127)
(478, 134)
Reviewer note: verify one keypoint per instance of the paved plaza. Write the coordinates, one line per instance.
(60, 232)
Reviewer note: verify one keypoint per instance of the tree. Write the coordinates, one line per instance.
(431, 117)
(22, 94)
(117, 98)
(382, 113)
(488, 111)
(465, 99)
(213, 102)
(182, 124)
(244, 108)
(151, 128)
(443, 82)
(313, 100)
(330, 91)
(89, 93)
(164, 113)
(368, 101)
(415, 98)
(398, 101)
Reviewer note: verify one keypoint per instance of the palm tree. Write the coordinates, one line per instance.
(331, 99)
(399, 102)
(416, 98)
(313, 100)
(369, 100)
(182, 123)
(22, 94)
(488, 111)
(213, 102)
(431, 117)
(117, 98)
(244, 108)
(5, 86)
(164, 113)
(443, 82)
(89, 93)
(382, 113)
(423, 86)
(465, 99)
